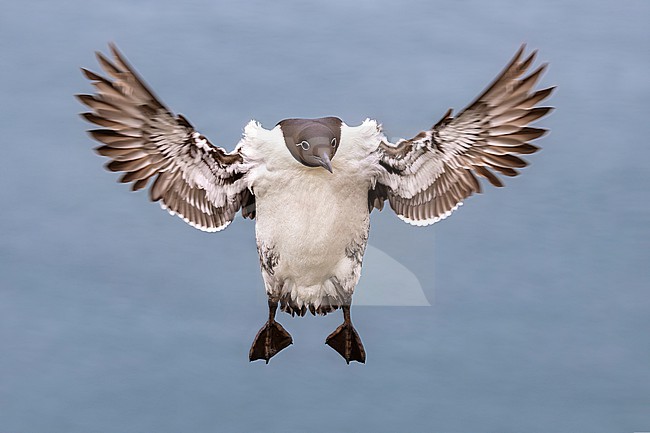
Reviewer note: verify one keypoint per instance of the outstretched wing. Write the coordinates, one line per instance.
(201, 183)
(427, 177)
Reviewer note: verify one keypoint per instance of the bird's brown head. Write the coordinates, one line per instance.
(312, 142)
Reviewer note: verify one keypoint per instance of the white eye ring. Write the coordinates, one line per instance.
(304, 144)
(333, 142)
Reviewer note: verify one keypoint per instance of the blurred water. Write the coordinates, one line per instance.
(115, 317)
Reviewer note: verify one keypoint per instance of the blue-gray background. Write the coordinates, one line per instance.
(115, 317)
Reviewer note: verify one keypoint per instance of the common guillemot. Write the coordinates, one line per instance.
(311, 184)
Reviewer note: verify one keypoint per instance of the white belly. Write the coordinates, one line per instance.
(313, 224)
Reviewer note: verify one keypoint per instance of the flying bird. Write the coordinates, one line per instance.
(311, 184)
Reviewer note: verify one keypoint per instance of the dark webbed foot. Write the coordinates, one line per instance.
(346, 341)
(271, 339)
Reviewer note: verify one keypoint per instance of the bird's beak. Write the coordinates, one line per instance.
(325, 162)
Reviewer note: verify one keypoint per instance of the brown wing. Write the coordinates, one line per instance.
(429, 176)
(201, 183)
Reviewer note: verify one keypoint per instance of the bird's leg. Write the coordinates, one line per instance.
(271, 339)
(346, 341)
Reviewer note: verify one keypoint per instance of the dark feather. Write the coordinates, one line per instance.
(140, 184)
(115, 139)
(489, 176)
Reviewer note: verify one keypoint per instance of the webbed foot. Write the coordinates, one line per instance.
(271, 339)
(346, 341)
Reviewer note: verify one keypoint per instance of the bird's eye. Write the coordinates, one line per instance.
(333, 142)
(304, 145)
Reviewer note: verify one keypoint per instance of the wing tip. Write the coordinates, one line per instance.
(85, 98)
(519, 52)
(118, 56)
(90, 75)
